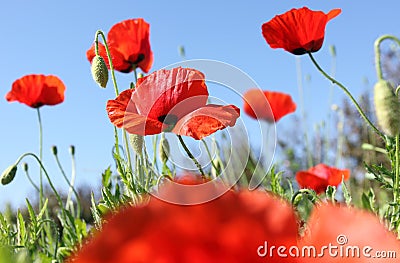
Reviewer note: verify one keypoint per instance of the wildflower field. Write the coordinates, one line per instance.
(196, 176)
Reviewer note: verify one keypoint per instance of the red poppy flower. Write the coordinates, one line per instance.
(37, 90)
(267, 105)
(230, 228)
(354, 232)
(299, 30)
(170, 100)
(319, 177)
(129, 46)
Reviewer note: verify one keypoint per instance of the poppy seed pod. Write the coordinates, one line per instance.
(99, 71)
(387, 108)
(164, 149)
(8, 175)
(136, 143)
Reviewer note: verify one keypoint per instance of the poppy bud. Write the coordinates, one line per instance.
(136, 143)
(8, 175)
(25, 167)
(99, 71)
(332, 50)
(387, 108)
(164, 149)
(72, 150)
(54, 149)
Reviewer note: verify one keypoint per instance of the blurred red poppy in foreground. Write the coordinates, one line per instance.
(170, 100)
(354, 236)
(299, 30)
(129, 46)
(230, 228)
(319, 177)
(37, 90)
(267, 105)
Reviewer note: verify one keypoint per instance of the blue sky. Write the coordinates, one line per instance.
(51, 37)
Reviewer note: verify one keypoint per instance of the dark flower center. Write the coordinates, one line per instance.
(140, 57)
(299, 51)
(168, 119)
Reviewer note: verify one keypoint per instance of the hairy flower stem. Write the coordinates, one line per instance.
(70, 184)
(347, 92)
(40, 158)
(396, 183)
(58, 197)
(114, 80)
(191, 156)
(378, 64)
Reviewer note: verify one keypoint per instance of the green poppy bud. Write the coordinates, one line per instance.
(136, 143)
(99, 71)
(387, 108)
(164, 149)
(8, 175)
(72, 150)
(25, 167)
(54, 149)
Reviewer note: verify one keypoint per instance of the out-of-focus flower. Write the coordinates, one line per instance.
(37, 90)
(230, 228)
(298, 31)
(320, 176)
(353, 235)
(267, 105)
(129, 45)
(170, 100)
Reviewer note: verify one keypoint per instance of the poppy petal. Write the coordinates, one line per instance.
(311, 181)
(207, 120)
(158, 93)
(130, 38)
(90, 53)
(298, 31)
(355, 231)
(320, 176)
(275, 105)
(228, 229)
(123, 114)
(37, 90)
(118, 61)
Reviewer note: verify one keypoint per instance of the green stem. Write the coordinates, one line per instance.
(70, 184)
(99, 32)
(209, 154)
(31, 181)
(396, 179)
(302, 110)
(45, 173)
(191, 156)
(96, 48)
(40, 158)
(378, 64)
(347, 92)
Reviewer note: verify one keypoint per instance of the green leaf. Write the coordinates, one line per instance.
(21, 229)
(346, 193)
(106, 177)
(368, 200)
(330, 193)
(31, 212)
(41, 213)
